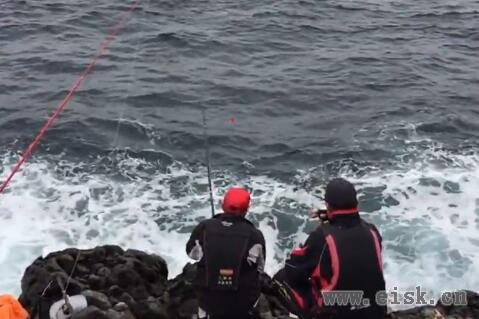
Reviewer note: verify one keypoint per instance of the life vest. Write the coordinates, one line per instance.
(227, 278)
(10, 308)
(226, 244)
(356, 263)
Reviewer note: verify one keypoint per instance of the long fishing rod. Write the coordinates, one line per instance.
(208, 161)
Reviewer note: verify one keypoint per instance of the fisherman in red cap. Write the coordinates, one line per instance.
(230, 252)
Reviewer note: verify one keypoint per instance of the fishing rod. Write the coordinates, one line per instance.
(208, 161)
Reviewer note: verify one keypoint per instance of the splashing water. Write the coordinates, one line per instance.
(428, 215)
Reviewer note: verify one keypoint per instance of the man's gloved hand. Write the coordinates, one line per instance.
(322, 214)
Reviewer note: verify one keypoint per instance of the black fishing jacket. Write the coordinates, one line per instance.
(231, 252)
(344, 254)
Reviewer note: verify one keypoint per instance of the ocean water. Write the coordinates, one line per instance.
(383, 93)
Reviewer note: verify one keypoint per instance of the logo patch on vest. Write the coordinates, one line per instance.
(225, 278)
(227, 224)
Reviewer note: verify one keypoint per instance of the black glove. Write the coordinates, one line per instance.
(322, 214)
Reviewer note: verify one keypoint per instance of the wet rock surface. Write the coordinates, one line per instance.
(117, 283)
(130, 284)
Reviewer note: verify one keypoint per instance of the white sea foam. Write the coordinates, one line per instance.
(431, 234)
(428, 216)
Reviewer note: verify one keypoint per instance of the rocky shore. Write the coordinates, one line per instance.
(130, 284)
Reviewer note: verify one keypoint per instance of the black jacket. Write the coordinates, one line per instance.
(355, 243)
(230, 253)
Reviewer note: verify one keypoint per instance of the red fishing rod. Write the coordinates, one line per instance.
(71, 92)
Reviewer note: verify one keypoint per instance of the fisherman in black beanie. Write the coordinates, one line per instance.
(341, 194)
(343, 254)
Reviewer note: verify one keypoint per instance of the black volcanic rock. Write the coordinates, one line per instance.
(131, 284)
(106, 275)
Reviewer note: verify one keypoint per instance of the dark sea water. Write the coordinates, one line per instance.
(384, 93)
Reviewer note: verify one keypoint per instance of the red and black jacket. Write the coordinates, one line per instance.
(344, 254)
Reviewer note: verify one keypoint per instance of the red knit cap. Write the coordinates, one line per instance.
(236, 201)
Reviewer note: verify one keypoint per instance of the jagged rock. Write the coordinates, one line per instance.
(91, 312)
(264, 308)
(471, 310)
(112, 314)
(106, 275)
(121, 306)
(181, 294)
(131, 284)
(156, 309)
(187, 308)
(97, 299)
(425, 312)
(66, 262)
(440, 311)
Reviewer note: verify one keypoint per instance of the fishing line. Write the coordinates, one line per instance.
(114, 145)
(67, 307)
(111, 36)
(208, 160)
(77, 259)
(121, 113)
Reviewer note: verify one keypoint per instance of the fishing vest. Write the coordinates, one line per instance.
(356, 264)
(226, 244)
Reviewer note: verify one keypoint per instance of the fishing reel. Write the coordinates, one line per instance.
(66, 307)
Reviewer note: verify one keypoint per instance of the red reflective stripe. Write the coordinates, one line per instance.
(323, 282)
(320, 283)
(316, 276)
(299, 299)
(319, 300)
(333, 252)
(378, 249)
(299, 252)
(343, 212)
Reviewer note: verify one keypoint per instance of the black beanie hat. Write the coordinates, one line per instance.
(340, 194)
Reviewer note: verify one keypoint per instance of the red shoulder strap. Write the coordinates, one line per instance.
(378, 248)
